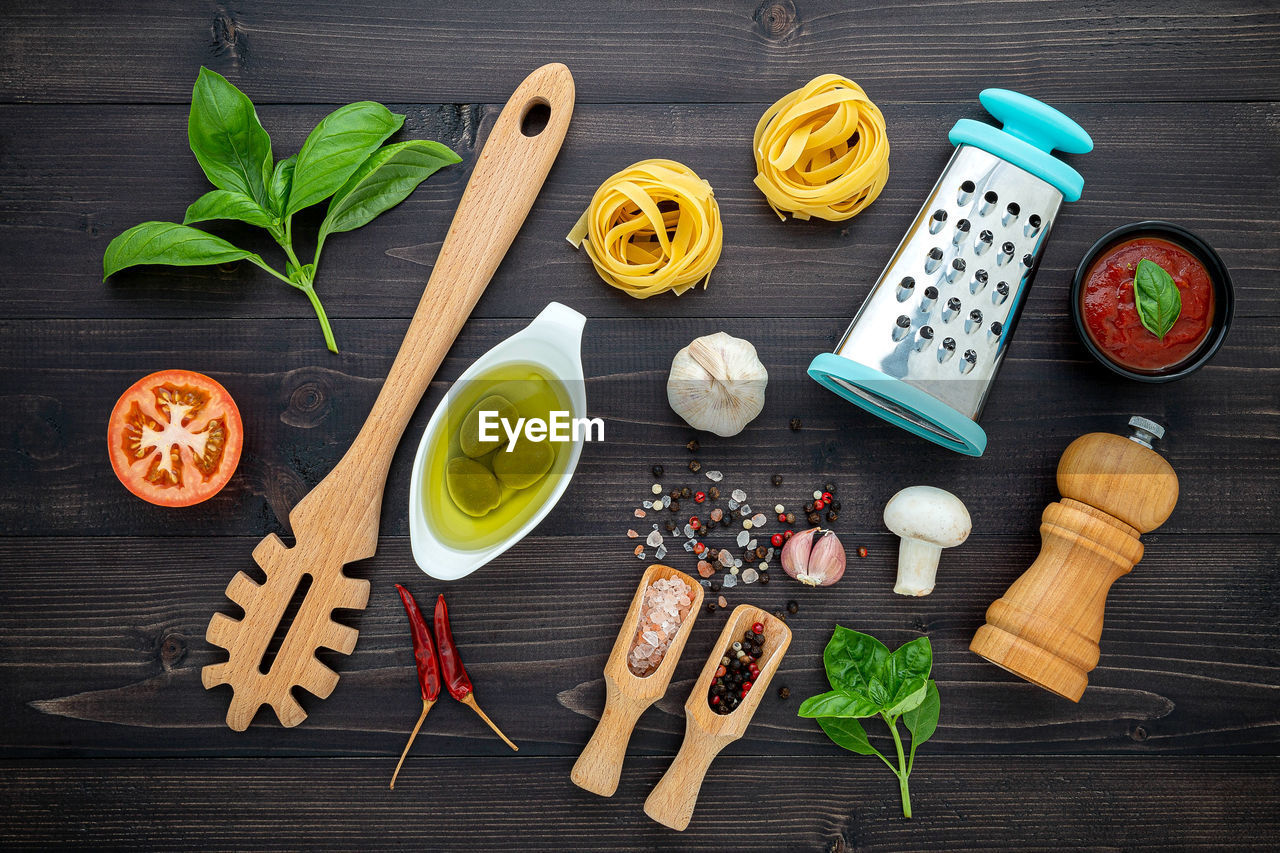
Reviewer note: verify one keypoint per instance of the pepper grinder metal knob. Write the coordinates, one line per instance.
(1047, 625)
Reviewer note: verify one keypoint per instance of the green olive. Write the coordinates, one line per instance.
(469, 432)
(473, 488)
(521, 466)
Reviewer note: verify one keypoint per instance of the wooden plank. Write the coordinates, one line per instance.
(101, 643)
(321, 52)
(302, 407)
(1216, 175)
(836, 802)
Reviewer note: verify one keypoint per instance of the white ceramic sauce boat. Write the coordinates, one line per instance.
(553, 341)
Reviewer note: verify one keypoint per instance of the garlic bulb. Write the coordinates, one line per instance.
(717, 384)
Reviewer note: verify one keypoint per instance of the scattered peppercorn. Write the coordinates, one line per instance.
(819, 505)
(711, 607)
(684, 493)
(793, 606)
(780, 615)
(776, 540)
(833, 516)
(692, 446)
(835, 505)
(791, 518)
(826, 496)
(795, 424)
(713, 493)
(784, 692)
(777, 479)
(808, 507)
(830, 487)
(862, 552)
(726, 521)
(787, 534)
(695, 522)
(695, 466)
(814, 518)
(699, 497)
(716, 585)
(657, 470)
(764, 578)
(675, 506)
(671, 526)
(761, 551)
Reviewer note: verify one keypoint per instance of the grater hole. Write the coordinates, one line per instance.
(949, 344)
(1034, 220)
(958, 264)
(1027, 261)
(991, 197)
(966, 192)
(1013, 210)
(981, 275)
(1033, 225)
(997, 328)
(931, 292)
(987, 237)
(907, 283)
(926, 332)
(963, 225)
(953, 304)
(1007, 248)
(967, 187)
(935, 253)
(939, 219)
(975, 315)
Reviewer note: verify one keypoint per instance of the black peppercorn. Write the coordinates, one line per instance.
(657, 470)
(784, 692)
(671, 526)
(791, 518)
(713, 493)
(726, 521)
(758, 639)
(833, 515)
(719, 689)
(735, 665)
(814, 518)
(764, 578)
(695, 466)
(675, 506)
(793, 606)
(808, 507)
(761, 551)
(715, 586)
(777, 479)
(829, 487)
(711, 607)
(749, 557)
(795, 424)
(835, 505)
(692, 446)
(684, 493)
(778, 614)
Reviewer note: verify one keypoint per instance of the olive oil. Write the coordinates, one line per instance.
(535, 394)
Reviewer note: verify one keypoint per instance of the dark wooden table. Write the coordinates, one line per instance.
(106, 735)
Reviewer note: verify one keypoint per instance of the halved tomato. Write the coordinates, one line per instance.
(175, 438)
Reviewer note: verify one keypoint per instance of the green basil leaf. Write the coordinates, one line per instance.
(910, 694)
(281, 182)
(910, 660)
(922, 720)
(839, 703)
(172, 244)
(335, 149)
(852, 659)
(382, 181)
(223, 204)
(877, 692)
(848, 733)
(1156, 297)
(228, 140)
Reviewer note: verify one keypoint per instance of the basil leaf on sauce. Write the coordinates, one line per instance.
(1156, 297)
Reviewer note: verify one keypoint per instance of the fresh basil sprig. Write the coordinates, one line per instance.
(867, 681)
(343, 158)
(1156, 297)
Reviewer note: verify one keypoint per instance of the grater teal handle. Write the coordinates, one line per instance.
(1032, 131)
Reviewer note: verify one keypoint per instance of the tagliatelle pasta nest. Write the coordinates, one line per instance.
(651, 228)
(822, 151)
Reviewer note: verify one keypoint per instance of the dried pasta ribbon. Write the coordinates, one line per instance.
(822, 151)
(653, 227)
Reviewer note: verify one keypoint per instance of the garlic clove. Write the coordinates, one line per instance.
(826, 560)
(795, 554)
(717, 384)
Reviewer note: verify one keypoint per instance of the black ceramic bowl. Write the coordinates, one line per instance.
(1223, 298)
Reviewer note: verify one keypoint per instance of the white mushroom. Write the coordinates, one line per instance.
(928, 520)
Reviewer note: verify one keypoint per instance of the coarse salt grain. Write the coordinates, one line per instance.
(779, 509)
(717, 514)
(743, 538)
(705, 569)
(654, 539)
(640, 513)
(739, 495)
(631, 534)
(723, 602)
(660, 553)
(817, 495)
(715, 476)
(750, 576)
(656, 488)
(730, 581)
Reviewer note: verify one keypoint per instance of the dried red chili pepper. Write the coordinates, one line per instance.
(424, 653)
(455, 675)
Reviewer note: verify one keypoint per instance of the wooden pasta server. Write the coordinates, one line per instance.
(337, 522)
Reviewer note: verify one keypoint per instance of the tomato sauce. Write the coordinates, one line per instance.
(1107, 305)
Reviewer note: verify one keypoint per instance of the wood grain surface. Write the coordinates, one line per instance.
(107, 738)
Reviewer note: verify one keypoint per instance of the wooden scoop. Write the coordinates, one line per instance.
(706, 732)
(628, 695)
(337, 522)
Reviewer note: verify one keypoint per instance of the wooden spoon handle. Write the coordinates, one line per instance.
(672, 801)
(599, 766)
(507, 177)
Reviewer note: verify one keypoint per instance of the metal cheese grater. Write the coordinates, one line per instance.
(925, 346)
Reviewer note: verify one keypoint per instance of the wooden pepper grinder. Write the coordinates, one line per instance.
(1047, 626)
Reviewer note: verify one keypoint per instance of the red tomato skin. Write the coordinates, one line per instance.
(1111, 318)
(196, 488)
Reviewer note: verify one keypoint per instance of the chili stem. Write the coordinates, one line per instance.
(470, 702)
(426, 706)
